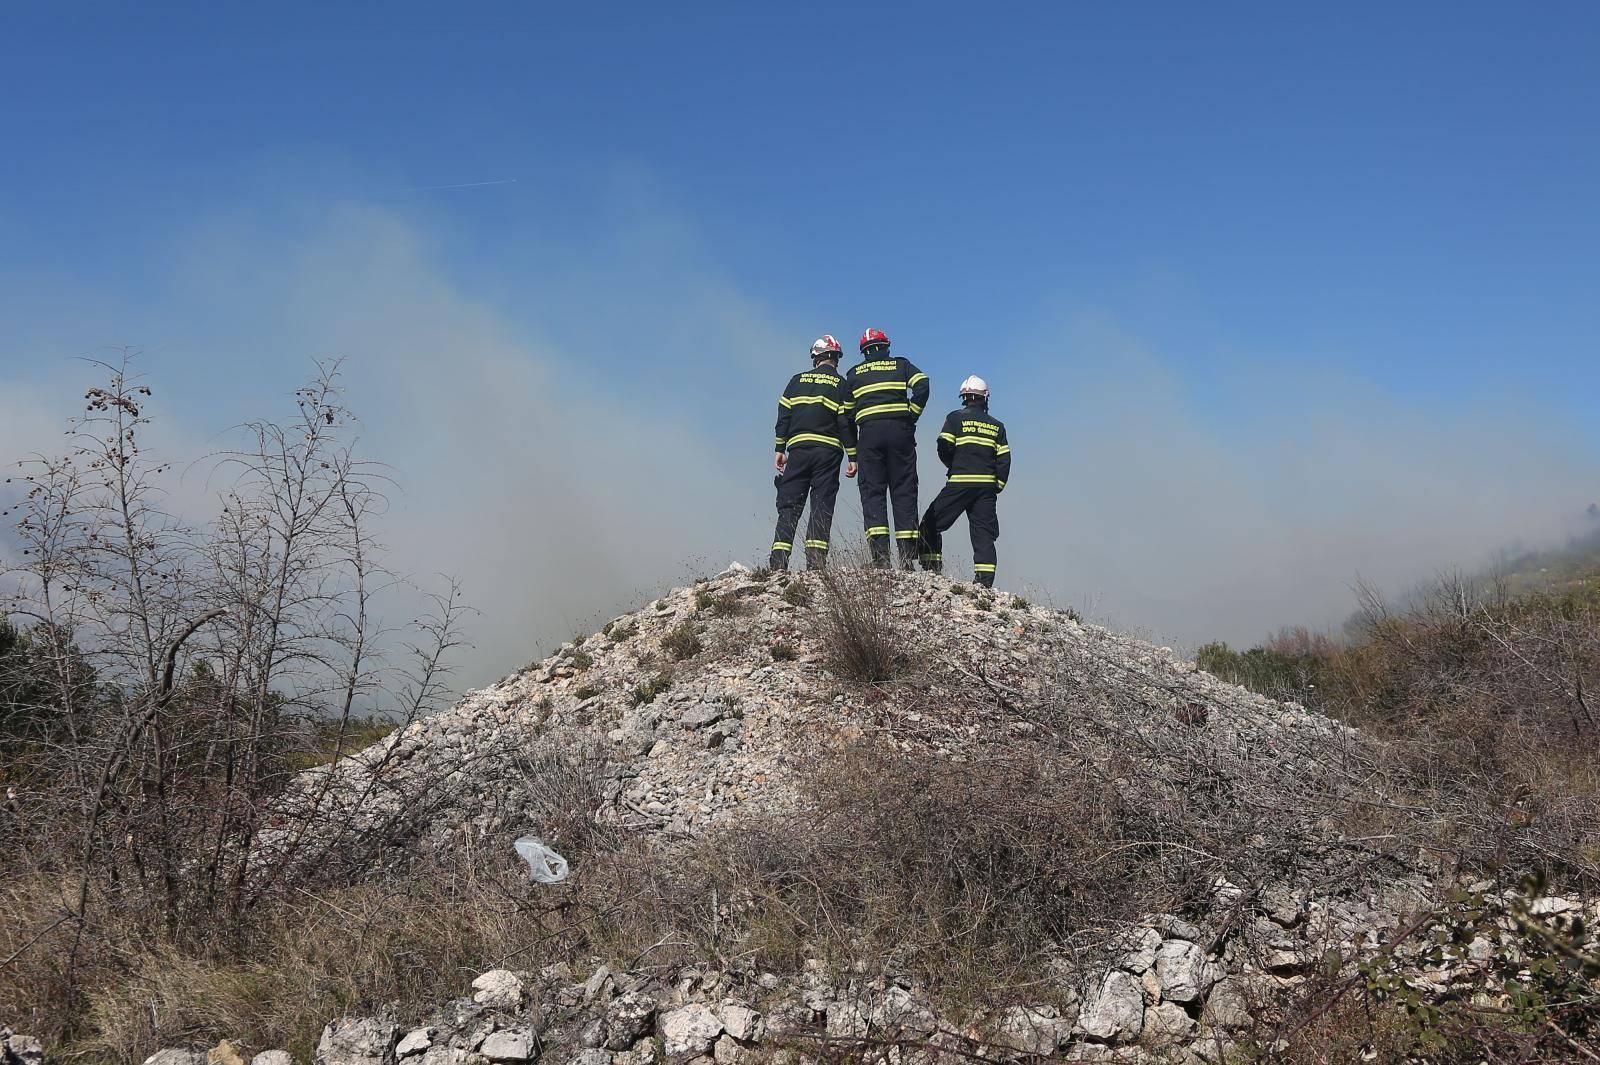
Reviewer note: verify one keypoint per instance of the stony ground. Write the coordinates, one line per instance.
(721, 738)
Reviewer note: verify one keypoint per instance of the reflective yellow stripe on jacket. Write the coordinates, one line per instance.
(814, 438)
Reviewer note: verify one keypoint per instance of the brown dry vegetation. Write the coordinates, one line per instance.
(958, 874)
(865, 640)
(1484, 701)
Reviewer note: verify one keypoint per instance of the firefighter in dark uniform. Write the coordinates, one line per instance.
(886, 397)
(973, 446)
(814, 432)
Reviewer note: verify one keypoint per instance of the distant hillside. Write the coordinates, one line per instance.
(1555, 569)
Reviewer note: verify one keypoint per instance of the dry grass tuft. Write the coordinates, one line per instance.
(864, 639)
(647, 691)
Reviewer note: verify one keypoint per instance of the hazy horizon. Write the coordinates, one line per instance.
(1270, 302)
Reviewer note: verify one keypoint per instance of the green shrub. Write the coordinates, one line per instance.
(650, 689)
(784, 652)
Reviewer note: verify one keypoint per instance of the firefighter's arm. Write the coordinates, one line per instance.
(1002, 461)
(847, 423)
(917, 381)
(947, 441)
(781, 430)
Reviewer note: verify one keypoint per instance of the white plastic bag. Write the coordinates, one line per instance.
(546, 865)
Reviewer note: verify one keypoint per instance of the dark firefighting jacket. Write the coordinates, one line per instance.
(812, 410)
(877, 389)
(973, 446)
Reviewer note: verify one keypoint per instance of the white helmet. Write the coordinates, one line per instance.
(975, 386)
(825, 348)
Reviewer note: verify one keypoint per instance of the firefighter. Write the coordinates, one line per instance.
(814, 433)
(973, 447)
(886, 423)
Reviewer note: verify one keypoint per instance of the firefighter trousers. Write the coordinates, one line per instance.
(977, 502)
(887, 455)
(811, 470)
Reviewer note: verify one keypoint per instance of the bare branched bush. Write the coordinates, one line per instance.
(164, 679)
(991, 858)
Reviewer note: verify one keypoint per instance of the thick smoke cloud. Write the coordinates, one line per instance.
(564, 480)
(1159, 514)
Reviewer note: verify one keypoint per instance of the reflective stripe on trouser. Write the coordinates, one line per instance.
(811, 471)
(977, 502)
(887, 456)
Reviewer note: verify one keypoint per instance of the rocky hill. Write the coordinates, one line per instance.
(702, 704)
(1198, 850)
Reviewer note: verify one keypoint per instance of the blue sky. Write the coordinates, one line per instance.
(1288, 232)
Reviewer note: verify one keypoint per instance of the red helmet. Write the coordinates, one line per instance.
(872, 337)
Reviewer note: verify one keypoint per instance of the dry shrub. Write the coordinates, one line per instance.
(862, 638)
(412, 941)
(566, 789)
(993, 856)
(961, 874)
(682, 641)
(729, 606)
(1483, 699)
(153, 719)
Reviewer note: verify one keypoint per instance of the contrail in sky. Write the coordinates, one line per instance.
(464, 185)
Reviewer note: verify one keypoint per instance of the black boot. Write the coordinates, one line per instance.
(879, 545)
(778, 561)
